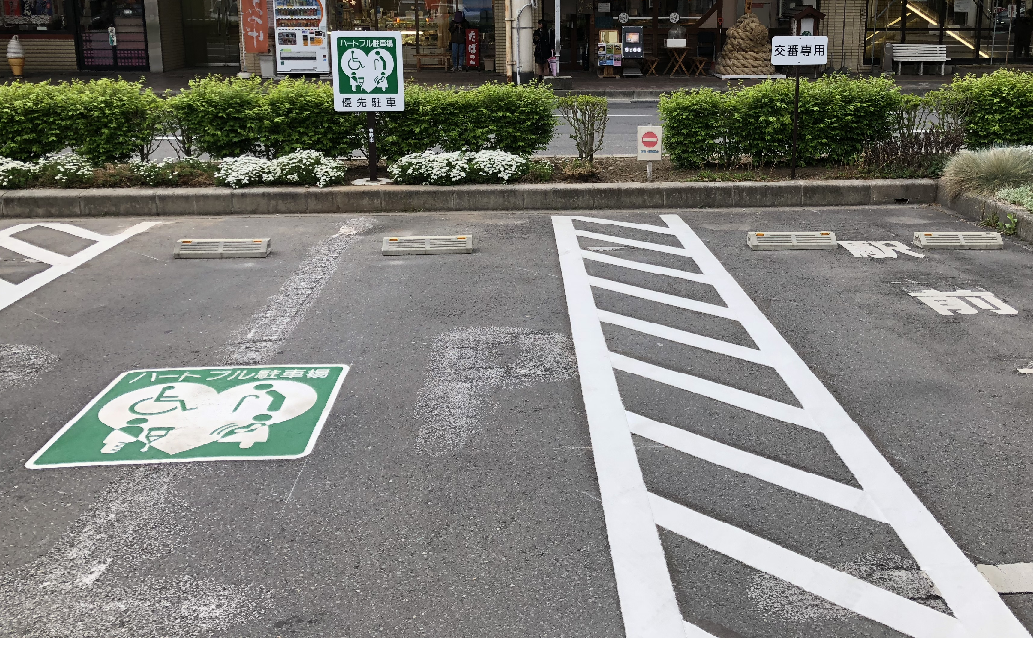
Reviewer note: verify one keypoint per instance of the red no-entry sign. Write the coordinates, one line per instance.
(649, 138)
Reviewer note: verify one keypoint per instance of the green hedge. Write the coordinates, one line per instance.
(838, 117)
(515, 119)
(998, 107)
(35, 119)
(109, 121)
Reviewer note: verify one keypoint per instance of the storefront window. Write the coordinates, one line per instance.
(972, 30)
(32, 15)
(432, 17)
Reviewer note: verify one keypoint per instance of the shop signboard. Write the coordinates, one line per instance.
(199, 414)
(473, 49)
(255, 22)
(367, 71)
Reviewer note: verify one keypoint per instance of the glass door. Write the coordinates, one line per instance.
(211, 33)
(112, 34)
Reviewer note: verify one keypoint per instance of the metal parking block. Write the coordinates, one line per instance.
(400, 245)
(958, 240)
(774, 240)
(222, 248)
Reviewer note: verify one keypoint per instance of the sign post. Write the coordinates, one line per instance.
(650, 143)
(798, 51)
(367, 77)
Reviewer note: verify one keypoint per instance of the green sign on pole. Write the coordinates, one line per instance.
(367, 71)
(199, 414)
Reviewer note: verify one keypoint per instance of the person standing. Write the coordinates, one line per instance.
(542, 50)
(1022, 32)
(457, 33)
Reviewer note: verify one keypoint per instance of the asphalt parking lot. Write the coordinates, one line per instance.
(452, 486)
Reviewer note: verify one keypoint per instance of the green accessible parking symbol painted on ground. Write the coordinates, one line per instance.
(199, 414)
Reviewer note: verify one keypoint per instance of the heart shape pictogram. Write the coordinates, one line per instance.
(174, 418)
(367, 71)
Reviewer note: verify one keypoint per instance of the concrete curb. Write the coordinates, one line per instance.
(215, 201)
(977, 208)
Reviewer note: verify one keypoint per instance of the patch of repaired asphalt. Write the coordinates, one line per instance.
(468, 364)
(20, 364)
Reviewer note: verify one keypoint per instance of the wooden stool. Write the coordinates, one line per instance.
(699, 64)
(649, 64)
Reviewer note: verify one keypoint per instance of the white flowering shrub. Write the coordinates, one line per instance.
(245, 170)
(301, 167)
(61, 169)
(65, 169)
(171, 171)
(483, 167)
(15, 174)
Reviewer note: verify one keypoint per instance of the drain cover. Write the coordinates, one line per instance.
(399, 245)
(958, 240)
(223, 248)
(769, 240)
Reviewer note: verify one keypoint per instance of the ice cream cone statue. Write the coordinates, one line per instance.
(16, 56)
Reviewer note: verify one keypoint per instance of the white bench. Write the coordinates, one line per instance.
(921, 54)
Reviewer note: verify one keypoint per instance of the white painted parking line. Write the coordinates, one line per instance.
(866, 599)
(648, 604)
(978, 610)
(963, 302)
(60, 264)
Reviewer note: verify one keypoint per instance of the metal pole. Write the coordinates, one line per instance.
(371, 129)
(1007, 43)
(842, 47)
(649, 171)
(796, 114)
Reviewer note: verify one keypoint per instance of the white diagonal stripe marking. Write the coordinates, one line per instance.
(791, 478)
(847, 591)
(644, 267)
(720, 392)
(966, 592)
(628, 242)
(661, 297)
(683, 337)
(630, 225)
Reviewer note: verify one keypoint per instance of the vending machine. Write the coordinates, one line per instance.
(633, 42)
(302, 43)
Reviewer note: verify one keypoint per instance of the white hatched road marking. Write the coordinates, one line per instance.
(60, 264)
(643, 581)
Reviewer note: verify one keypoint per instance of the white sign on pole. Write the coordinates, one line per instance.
(1013, 10)
(799, 50)
(650, 142)
(367, 71)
